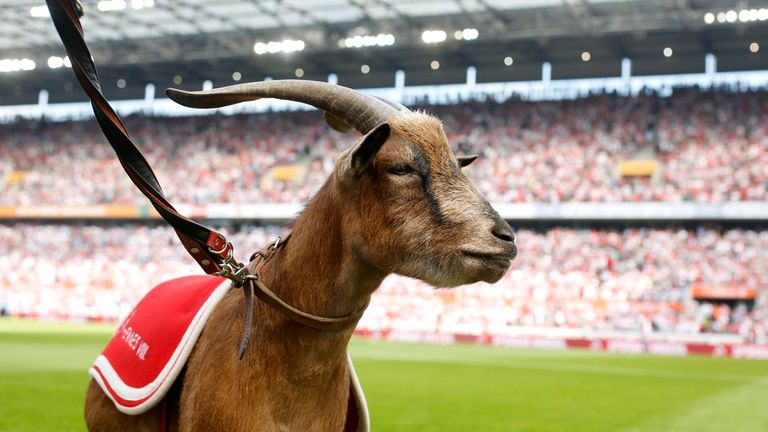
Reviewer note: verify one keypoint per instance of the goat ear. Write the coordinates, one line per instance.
(362, 154)
(466, 160)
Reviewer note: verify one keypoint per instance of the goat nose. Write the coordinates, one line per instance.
(503, 231)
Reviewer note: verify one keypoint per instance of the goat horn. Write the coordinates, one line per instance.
(361, 111)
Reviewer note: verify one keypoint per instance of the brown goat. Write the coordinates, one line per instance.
(397, 202)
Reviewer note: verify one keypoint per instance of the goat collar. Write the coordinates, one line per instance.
(254, 285)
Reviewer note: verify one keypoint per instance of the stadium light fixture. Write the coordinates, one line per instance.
(177, 79)
(121, 83)
(299, 72)
(141, 4)
(754, 47)
(16, 65)
(466, 34)
(742, 15)
(111, 5)
(236, 76)
(508, 61)
(435, 65)
(433, 36)
(668, 52)
(721, 17)
(39, 11)
(586, 56)
(359, 41)
(56, 62)
(273, 47)
(365, 68)
(118, 5)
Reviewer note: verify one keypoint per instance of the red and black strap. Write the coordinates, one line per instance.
(209, 248)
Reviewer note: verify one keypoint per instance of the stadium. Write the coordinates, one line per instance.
(624, 142)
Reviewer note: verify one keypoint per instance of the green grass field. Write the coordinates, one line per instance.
(414, 387)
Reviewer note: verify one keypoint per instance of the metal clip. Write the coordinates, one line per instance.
(231, 269)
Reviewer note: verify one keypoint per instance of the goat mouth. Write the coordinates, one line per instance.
(496, 258)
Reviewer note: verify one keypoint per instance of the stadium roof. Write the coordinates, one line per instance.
(142, 41)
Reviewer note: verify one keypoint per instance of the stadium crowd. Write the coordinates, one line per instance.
(628, 280)
(712, 147)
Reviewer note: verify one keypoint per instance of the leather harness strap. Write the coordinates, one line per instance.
(209, 248)
(256, 267)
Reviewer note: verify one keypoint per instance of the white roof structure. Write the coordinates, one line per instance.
(143, 41)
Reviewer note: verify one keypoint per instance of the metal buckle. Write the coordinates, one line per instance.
(231, 269)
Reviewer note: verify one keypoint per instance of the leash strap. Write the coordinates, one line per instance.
(209, 248)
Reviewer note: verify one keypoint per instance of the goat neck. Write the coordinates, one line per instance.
(318, 272)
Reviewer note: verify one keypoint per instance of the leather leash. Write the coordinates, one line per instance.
(209, 248)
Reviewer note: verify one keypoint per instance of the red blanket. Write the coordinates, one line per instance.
(151, 347)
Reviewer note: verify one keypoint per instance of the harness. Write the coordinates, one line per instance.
(209, 248)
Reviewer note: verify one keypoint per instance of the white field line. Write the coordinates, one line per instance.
(600, 370)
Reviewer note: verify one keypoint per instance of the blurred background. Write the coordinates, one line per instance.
(625, 141)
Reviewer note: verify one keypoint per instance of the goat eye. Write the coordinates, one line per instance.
(400, 169)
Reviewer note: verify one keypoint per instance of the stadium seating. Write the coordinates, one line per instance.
(637, 280)
(701, 146)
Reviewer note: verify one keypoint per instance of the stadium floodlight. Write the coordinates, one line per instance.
(359, 41)
(118, 5)
(586, 56)
(749, 15)
(140, 4)
(299, 72)
(470, 34)
(668, 52)
(16, 65)
(274, 47)
(433, 36)
(237, 76)
(466, 34)
(121, 83)
(721, 17)
(55, 62)
(754, 47)
(744, 15)
(762, 14)
(111, 5)
(508, 61)
(731, 16)
(435, 65)
(365, 68)
(709, 18)
(39, 11)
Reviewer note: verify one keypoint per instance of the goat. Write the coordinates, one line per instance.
(396, 202)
